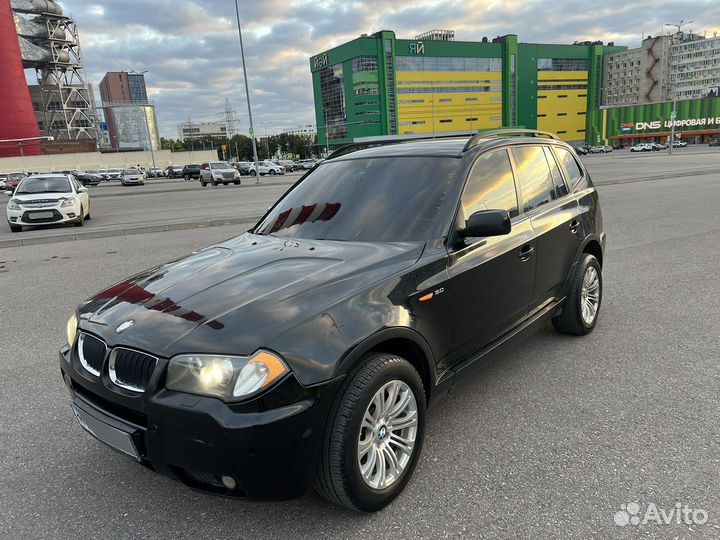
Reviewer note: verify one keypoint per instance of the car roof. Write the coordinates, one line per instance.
(440, 147)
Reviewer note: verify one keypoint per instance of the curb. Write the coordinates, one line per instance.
(128, 230)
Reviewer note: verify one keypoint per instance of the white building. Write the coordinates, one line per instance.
(695, 69)
(663, 68)
(195, 130)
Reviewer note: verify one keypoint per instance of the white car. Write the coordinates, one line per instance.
(48, 199)
(218, 172)
(132, 177)
(642, 147)
(267, 167)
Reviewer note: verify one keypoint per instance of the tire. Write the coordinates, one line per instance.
(187, 177)
(203, 184)
(14, 228)
(252, 173)
(571, 320)
(81, 220)
(272, 172)
(338, 475)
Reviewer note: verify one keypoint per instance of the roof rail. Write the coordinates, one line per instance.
(372, 142)
(475, 140)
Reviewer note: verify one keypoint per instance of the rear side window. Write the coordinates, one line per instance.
(560, 188)
(490, 186)
(536, 183)
(573, 171)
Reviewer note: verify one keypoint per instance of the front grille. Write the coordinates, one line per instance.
(228, 175)
(131, 369)
(92, 353)
(30, 217)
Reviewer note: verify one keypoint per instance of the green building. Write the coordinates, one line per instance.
(380, 85)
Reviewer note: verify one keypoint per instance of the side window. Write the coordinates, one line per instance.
(536, 183)
(491, 186)
(560, 187)
(573, 172)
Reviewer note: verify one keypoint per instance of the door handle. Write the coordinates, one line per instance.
(574, 226)
(526, 252)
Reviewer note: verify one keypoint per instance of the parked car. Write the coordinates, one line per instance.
(580, 150)
(114, 174)
(243, 167)
(174, 171)
(3, 182)
(104, 174)
(307, 163)
(218, 172)
(289, 165)
(267, 167)
(679, 144)
(618, 146)
(600, 149)
(642, 147)
(155, 172)
(307, 350)
(714, 142)
(657, 146)
(13, 179)
(48, 200)
(85, 178)
(132, 177)
(191, 172)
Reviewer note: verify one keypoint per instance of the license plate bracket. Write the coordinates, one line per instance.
(106, 430)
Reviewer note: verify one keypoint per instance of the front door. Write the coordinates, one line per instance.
(491, 279)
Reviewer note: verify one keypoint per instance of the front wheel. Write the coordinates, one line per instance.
(272, 172)
(252, 173)
(81, 220)
(582, 305)
(374, 435)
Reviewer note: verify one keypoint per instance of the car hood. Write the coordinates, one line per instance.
(236, 297)
(37, 198)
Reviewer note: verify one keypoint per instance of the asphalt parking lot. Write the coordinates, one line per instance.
(548, 442)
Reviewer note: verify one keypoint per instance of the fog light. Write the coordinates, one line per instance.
(229, 482)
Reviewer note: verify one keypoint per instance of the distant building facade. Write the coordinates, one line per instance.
(197, 130)
(123, 87)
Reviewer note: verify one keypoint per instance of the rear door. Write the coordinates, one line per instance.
(491, 279)
(555, 218)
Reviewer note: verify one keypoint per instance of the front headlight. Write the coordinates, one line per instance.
(68, 202)
(72, 326)
(225, 377)
(12, 205)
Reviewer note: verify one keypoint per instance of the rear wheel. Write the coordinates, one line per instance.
(374, 435)
(582, 304)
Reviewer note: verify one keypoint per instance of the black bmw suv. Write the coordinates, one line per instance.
(307, 350)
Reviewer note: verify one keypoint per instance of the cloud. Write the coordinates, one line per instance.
(190, 47)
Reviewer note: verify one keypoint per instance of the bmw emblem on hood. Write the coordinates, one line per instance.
(124, 326)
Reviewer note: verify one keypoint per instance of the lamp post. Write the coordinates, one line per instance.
(147, 124)
(673, 115)
(247, 95)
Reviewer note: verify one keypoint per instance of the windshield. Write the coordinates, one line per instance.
(220, 165)
(42, 184)
(390, 199)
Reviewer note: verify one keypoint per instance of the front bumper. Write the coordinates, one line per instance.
(43, 216)
(267, 446)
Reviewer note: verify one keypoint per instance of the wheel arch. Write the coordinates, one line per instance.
(403, 342)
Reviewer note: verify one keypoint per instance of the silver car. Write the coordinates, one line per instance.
(218, 172)
(132, 177)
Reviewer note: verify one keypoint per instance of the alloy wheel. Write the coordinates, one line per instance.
(387, 435)
(590, 295)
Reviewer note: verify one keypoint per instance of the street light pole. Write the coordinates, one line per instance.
(673, 115)
(247, 95)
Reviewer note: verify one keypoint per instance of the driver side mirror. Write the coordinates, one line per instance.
(486, 223)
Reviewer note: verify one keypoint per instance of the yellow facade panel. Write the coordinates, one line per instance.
(564, 116)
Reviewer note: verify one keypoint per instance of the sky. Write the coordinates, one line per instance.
(191, 52)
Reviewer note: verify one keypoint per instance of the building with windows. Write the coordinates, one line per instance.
(123, 87)
(197, 130)
(695, 69)
(381, 85)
